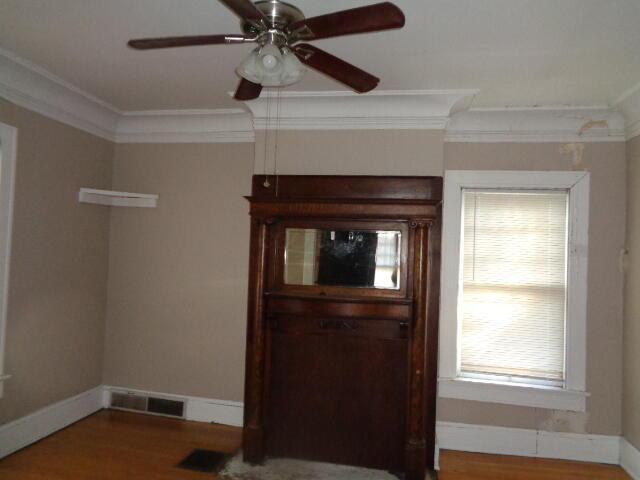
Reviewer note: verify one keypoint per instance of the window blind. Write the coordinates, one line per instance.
(514, 283)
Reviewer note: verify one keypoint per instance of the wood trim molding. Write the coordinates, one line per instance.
(450, 383)
(629, 105)
(253, 433)
(8, 149)
(340, 110)
(537, 125)
(528, 443)
(32, 87)
(525, 395)
(630, 458)
(451, 436)
(416, 446)
(35, 426)
(197, 409)
(231, 125)
(29, 429)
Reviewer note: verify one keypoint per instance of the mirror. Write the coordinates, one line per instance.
(347, 258)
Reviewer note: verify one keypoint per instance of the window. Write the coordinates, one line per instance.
(514, 288)
(512, 301)
(8, 138)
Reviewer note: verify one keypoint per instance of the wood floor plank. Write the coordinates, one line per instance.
(113, 445)
(476, 466)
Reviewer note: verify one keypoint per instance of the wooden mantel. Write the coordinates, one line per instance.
(336, 373)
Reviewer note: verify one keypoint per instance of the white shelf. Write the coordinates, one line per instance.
(117, 199)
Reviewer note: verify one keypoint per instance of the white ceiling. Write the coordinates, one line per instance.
(517, 52)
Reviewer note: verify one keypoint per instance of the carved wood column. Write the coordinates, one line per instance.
(433, 319)
(415, 448)
(253, 434)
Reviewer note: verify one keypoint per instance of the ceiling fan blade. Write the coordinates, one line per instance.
(247, 90)
(372, 18)
(169, 42)
(246, 10)
(343, 72)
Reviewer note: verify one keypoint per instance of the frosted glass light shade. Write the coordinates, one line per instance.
(270, 66)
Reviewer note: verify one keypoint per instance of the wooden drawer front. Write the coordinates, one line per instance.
(357, 327)
(332, 308)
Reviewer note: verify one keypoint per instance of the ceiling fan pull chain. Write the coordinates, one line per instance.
(266, 139)
(277, 136)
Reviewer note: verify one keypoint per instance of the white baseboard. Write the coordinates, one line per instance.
(198, 409)
(580, 447)
(31, 428)
(450, 436)
(528, 443)
(216, 411)
(630, 459)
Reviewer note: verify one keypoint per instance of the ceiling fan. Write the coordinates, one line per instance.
(278, 27)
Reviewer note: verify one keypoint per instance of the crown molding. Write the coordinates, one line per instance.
(340, 110)
(185, 126)
(629, 105)
(32, 87)
(537, 125)
(36, 89)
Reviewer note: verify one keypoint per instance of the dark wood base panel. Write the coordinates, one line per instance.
(343, 374)
(253, 442)
(338, 398)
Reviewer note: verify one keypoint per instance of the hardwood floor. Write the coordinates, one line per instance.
(118, 445)
(476, 466)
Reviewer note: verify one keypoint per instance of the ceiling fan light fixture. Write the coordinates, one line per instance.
(277, 27)
(292, 68)
(271, 66)
(270, 59)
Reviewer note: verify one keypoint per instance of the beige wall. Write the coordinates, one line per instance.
(606, 162)
(351, 152)
(631, 393)
(57, 290)
(174, 327)
(178, 273)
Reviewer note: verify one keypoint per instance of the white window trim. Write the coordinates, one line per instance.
(8, 143)
(573, 395)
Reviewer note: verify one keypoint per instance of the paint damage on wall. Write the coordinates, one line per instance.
(576, 150)
(562, 421)
(593, 124)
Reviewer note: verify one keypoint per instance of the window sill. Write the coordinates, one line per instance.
(512, 394)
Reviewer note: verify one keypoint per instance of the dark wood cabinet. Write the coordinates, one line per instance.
(342, 321)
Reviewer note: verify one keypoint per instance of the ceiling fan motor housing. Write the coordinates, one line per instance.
(279, 14)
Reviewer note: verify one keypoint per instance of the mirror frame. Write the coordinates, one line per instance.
(277, 267)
